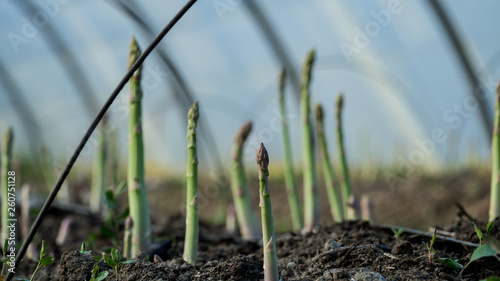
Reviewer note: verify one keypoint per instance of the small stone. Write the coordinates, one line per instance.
(330, 245)
(291, 264)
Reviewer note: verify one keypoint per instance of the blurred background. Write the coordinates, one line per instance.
(418, 77)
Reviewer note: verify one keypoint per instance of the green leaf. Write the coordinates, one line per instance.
(46, 261)
(125, 213)
(489, 228)
(120, 188)
(478, 232)
(102, 276)
(128, 262)
(109, 199)
(483, 251)
(493, 242)
(108, 260)
(451, 263)
(117, 256)
(491, 279)
(42, 250)
(97, 258)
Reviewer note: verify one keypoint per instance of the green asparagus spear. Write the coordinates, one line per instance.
(311, 209)
(495, 163)
(346, 178)
(127, 237)
(138, 204)
(98, 172)
(293, 197)
(191, 237)
(333, 196)
(6, 173)
(268, 239)
(247, 220)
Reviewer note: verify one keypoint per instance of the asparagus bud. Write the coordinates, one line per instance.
(7, 216)
(127, 237)
(191, 237)
(247, 220)
(311, 209)
(336, 207)
(346, 178)
(353, 208)
(293, 197)
(367, 209)
(139, 211)
(268, 239)
(495, 162)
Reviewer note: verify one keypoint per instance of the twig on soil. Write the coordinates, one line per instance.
(423, 233)
(463, 212)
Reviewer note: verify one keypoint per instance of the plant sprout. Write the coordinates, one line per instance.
(99, 170)
(311, 208)
(98, 276)
(247, 220)
(6, 189)
(114, 260)
(138, 204)
(42, 262)
(346, 178)
(293, 195)
(336, 207)
(127, 237)
(495, 163)
(191, 237)
(268, 239)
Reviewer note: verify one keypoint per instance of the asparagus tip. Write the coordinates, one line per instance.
(262, 157)
(194, 113)
(319, 112)
(282, 79)
(340, 102)
(129, 223)
(135, 52)
(243, 133)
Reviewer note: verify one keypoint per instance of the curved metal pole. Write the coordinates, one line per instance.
(132, 11)
(458, 47)
(22, 109)
(67, 59)
(274, 42)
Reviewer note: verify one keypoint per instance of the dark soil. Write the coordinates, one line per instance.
(347, 251)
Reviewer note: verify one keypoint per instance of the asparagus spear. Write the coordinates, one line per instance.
(311, 209)
(191, 237)
(6, 169)
(138, 204)
(495, 163)
(268, 239)
(98, 172)
(293, 197)
(249, 226)
(127, 237)
(346, 179)
(335, 202)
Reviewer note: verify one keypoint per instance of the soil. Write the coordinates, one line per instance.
(352, 250)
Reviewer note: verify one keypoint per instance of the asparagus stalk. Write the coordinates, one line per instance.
(346, 179)
(191, 237)
(268, 239)
(367, 209)
(127, 237)
(138, 204)
(335, 203)
(311, 209)
(247, 220)
(353, 208)
(495, 163)
(98, 172)
(6, 168)
(293, 197)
